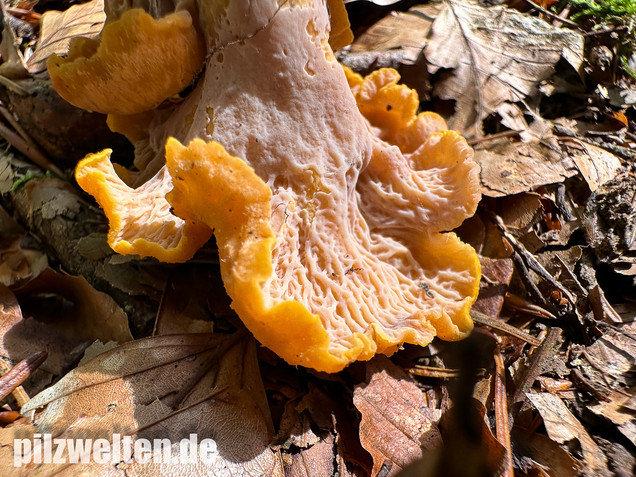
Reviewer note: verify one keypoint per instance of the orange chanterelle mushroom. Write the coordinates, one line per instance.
(329, 197)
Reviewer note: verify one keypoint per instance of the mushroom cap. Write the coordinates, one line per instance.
(330, 209)
(124, 72)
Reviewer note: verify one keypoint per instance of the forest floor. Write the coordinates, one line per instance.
(544, 386)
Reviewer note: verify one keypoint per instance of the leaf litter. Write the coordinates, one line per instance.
(555, 233)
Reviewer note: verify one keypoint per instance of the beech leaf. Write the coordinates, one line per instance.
(496, 54)
(562, 426)
(167, 387)
(59, 28)
(59, 314)
(396, 426)
(509, 167)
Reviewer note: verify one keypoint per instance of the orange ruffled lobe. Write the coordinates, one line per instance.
(140, 220)
(391, 108)
(124, 72)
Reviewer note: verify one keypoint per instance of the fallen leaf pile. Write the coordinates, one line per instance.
(544, 385)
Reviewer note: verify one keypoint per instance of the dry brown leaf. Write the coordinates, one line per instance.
(10, 228)
(509, 167)
(562, 427)
(622, 417)
(493, 287)
(597, 166)
(615, 352)
(497, 55)
(59, 28)
(316, 460)
(214, 390)
(470, 448)
(331, 412)
(61, 315)
(402, 33)
(76, 308)
(306, 450)
(552, 458)
(133, 275)
(603, 310)
(396, 426)
(18, 264)
(520, 212)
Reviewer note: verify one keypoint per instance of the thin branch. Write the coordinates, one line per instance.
(492, 137)
(529, 259)
(502, 426)
(432, 372)
(28, 150)
(503, 327)
(530, 373)
(18, 374)
(551, 14)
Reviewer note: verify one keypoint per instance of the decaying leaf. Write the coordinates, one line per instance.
(75, 306)
(496, 275)
(59, 28)
(193, 295)
(404, 34)
(544, 453)
(132, 275)
(563, 427)
(306, 448)
(397, 425)
(610, 223)
(520, 212)
(316, 460)
(61, 315)
(470, 448)
(214, 391)
(603, 310)
(597, 166)
(18, 264)
(496, 54)
(328, 414)
(509, 167)
(618, 413)
(614, 353)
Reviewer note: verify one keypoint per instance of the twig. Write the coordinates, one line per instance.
(13, 86)
(529, 375)
(524, 273)
(607, 31)
(502, 426)
(551, 14)
(482, 319)
(561, 203)
(29, 151)
(37, 153)
(10, 382)
(577, 378)
(432, 372)
(492, 137)
(529, 259)
(562, 14)
(519, 304)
